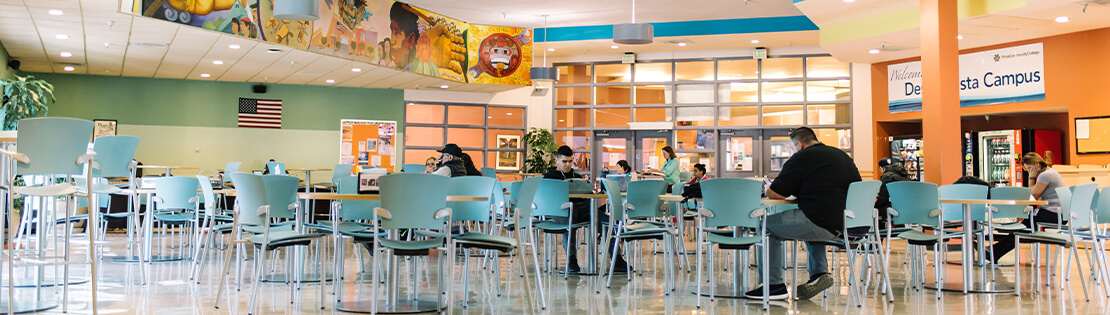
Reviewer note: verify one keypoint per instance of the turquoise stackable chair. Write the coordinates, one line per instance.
(276, 168)
(523, 194)
(114, 158)
(409, 202)
(553, 200)
(918, 204)
(1075, 204)
(208, 226)
(340, 171)
(281, 195)
(231, 167)
(642, 203)
(49, 147)
(1002, 211)
(859, 212)
(252, 207)
(479, 212)
(489, 172)
(731, 202)
(413, 168)
(352, 220)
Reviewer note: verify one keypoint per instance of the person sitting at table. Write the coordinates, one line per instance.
(670, 167)
(266, 169)
(699, 174)
(1044, 180)
(430, 165)
(892, 171)
(563, 170)
(468, 164)
(819, 176)
(450, 161)
(623, 176)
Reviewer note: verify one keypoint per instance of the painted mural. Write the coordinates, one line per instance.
(382, 32)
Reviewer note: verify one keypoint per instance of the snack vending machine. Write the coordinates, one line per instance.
(908, 148)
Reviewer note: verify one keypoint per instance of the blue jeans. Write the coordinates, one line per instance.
(794, 225)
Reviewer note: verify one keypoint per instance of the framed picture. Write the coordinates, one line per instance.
(104, 127)
(508, 160)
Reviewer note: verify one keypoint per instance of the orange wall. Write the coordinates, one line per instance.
(1075, 68)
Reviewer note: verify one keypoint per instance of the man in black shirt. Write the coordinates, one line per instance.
(564, 170)
(818, 175)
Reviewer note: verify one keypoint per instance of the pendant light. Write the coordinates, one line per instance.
(633, 33)
(543, 73)
(297, 10)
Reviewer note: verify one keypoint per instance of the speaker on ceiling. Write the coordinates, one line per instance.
(259, 88)
(14, 64)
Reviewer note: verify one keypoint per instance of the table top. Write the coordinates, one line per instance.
(309, 169)
(225, 191)
(334, 196)
(996, 202)
(169, 167)
(594, 195)
(765, 201)
(7, 139)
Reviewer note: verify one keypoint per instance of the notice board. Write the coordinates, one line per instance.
(1092, 135)
(368, 143)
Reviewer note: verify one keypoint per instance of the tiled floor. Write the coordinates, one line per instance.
(168, 291)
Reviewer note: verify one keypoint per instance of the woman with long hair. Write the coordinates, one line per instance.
(1044, 180)
(670, 167)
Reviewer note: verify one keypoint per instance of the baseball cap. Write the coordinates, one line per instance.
(888, 161)
(451, 149)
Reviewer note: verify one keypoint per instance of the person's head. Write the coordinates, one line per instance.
(668, 153)
(802, 137)
(699, 170)
(431, 161)
(449, 152)
(467, 162)
(273, 160)
(1033, 160)
(403, 33)
(623, 167)
(886, 162)
(564, 159)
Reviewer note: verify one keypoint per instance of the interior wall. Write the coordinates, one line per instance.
(5, 72)
(862, 129)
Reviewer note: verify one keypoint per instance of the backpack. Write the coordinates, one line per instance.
(692, 191)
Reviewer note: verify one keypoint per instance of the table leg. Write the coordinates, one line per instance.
(966, 282)
(591, 244)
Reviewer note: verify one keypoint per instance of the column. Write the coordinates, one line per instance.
(940, 93)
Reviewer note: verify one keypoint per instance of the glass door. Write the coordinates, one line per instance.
(741, 153)
(649, 148)
(642, 149)
(612, 146)
(777, 149)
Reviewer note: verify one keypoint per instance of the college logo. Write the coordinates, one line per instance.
(997, 57)
(499, 55)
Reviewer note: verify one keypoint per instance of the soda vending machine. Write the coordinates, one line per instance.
(908, 148)
(998, 153)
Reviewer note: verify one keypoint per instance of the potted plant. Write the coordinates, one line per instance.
(541, 149)
(24, 97)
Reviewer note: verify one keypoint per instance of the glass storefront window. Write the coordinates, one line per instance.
(414, 156)
(467, 137)
(747, 69)
(613, 150)
(739, 154)
(612, 73)
(826, 67)
(782, 115)
(652, 114)
(612, 117)
(569, 118)
(694, 93)
(466, 115)
(695, 139)
(506, 116)
(781, 68)
(695, 116)
(782, 91)
(653, 72)
(738, 92)
(574, 74)
(739, 116)
(424, 113)
(576, 140)
(827, 91)
(653, 94)
(423, 136)
(572, 95)
(832, 114)
(613, 95)
(694, 71)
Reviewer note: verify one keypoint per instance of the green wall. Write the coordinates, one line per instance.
(176, 102)
(5, 72)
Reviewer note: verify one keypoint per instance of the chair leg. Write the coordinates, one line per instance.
(1082, 280)
(260, 262)
(536, 266)
(1017, 265)
(697, 271)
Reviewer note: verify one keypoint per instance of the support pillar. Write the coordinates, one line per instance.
(940, 93)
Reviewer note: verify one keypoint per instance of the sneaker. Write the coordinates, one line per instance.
(776, 292)
(816, 284)
(620, 266)
(572, 265)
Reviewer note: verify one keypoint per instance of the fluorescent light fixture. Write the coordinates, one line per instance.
(614, 47)
(873, 51)
(959, 37)
(551, 49)
(329, 81)
(234, 46)
(510, 114)
(1061, 19)
(61, 36)
(681, 44)
(56, 12)
(443, 86)
(755, 41)
(217, 62)
(205, 75)
(69, 68)
(66, 54)
(412, 103)
(356, 69)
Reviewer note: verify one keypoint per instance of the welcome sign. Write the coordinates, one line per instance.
(1007, 75)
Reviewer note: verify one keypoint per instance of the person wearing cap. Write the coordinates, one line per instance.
(892, 171)
(450, 162)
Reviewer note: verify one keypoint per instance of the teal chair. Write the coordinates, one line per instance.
(340, 171)
(352, 220)
(642, 203)
(1075, 204)
(480, 212)
(175, 204)
(281, 195)
(489, 172)
(860, 212)
(409, 203)
(252, 208)
(523, 193)
(54, 146)
(413, 168)
(553, 200)
(731, 202)
(114, 158)
(918, 204)
(231, 167)
(208, 225)
(276, 168)
(1004, 211)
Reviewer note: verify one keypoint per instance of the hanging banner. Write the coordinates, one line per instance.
(1007, 75)
(368, 143)
(499, 55)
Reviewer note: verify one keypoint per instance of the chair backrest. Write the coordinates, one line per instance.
(550, 197)
(1102, 209)
(250, 194)
(732, 201)
(114, 155)
(525, 196)
(1079, 210)
(207, 196)
(53, 145)
(489, 172)
(955, 211)
(413, 168)
(276, 168)
(412, 200)
(355, 209)
(281, 191)
(175, 192)
(861, 202)
(498, 197)
(514, 192)
(643, 195)
(1010, 193)
(340, 171)
(474, 186)
(913, 201)
(231, 167)
(614, 200)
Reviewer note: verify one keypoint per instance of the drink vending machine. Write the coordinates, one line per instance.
(995, 156)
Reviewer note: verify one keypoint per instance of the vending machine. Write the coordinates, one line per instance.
(998, 153)
(908, 148)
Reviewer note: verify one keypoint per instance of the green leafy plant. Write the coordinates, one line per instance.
(24, 97)
(541, 150)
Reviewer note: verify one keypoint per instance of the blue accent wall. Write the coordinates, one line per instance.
(684, 28)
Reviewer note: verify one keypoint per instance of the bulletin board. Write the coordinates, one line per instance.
(368, 143)
(1092, 135)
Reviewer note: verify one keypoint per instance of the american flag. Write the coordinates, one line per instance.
(256, 113)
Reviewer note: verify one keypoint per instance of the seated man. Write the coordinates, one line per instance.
(563, 170)
(450, 162)
(818, 175)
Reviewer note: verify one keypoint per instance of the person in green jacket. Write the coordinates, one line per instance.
(670, 167)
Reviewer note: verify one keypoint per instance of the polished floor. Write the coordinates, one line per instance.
(169, 291)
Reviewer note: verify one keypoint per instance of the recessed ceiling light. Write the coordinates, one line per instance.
(614, 47)
(489, 116)
(205, 75)
(217, 62)
(329, 81)
(958, 37)
(56, 12)
(66, 54)
(412, 103)
(61, 36)
(510, 114)
(443, 86)
(551, 49)
(233, 46)
(849, 1)
(561, 120)
(356, 69)
(681, 44)
(273, 50)
(873, 51)
(68, 68)
(755, 41)
(1061, 19)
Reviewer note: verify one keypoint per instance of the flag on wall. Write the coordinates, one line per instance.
(256, 113)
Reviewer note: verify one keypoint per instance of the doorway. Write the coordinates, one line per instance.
(754, 152)
(641, 148)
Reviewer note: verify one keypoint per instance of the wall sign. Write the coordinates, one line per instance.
(368, 143)
(1007, 75)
